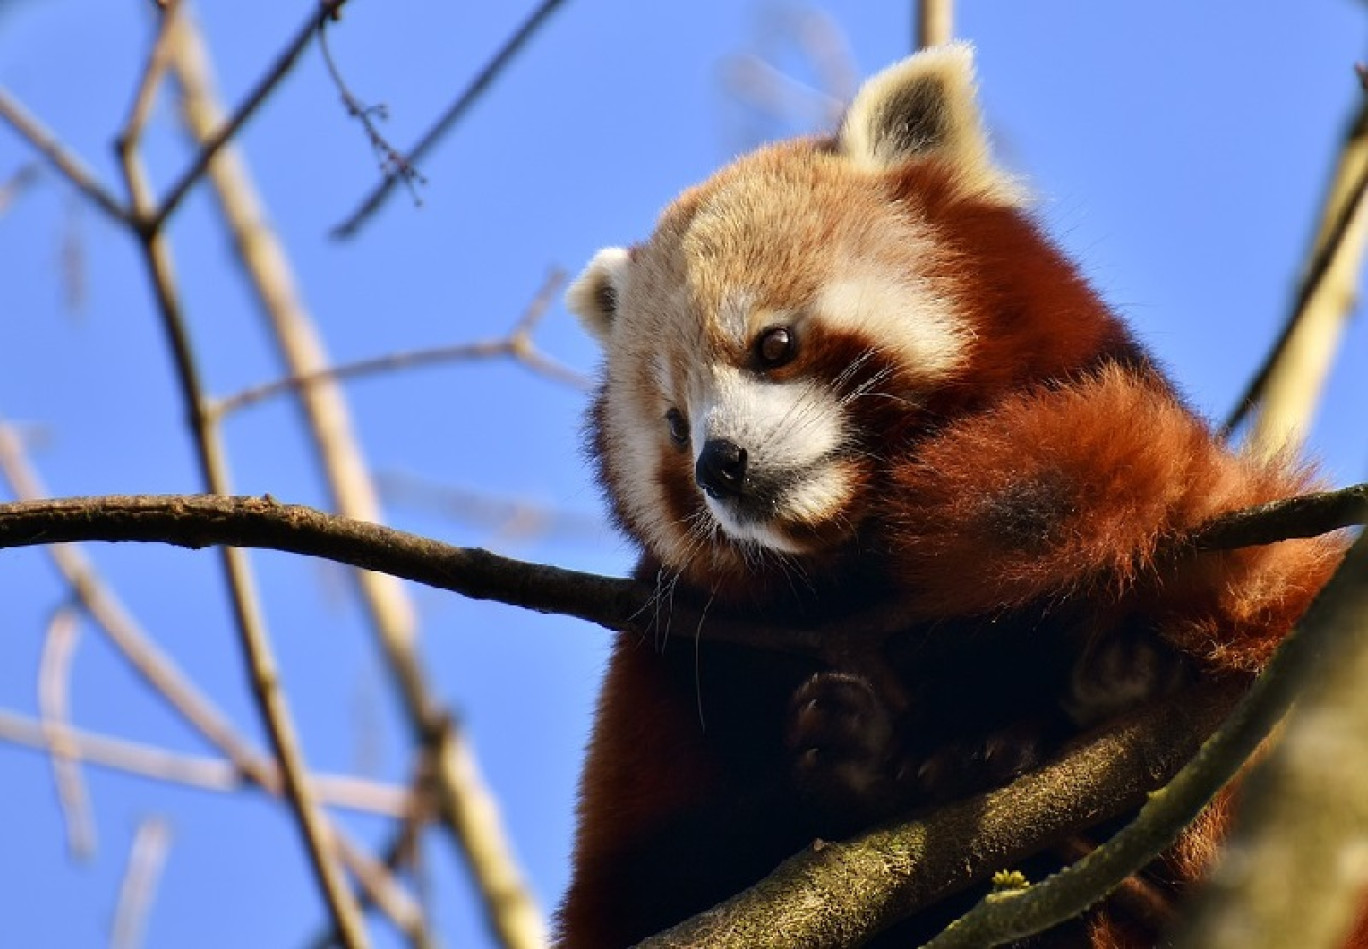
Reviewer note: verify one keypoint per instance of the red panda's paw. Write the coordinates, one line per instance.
(840, 735)
(970, 765)
(1121, 671)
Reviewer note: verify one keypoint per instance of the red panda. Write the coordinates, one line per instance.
(852, 370)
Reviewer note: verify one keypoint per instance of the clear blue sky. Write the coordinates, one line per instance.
(1178, 150)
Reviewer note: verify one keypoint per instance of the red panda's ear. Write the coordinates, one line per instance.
(595, 293)
(925, 108)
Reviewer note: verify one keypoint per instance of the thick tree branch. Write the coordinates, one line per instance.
(838, 894)
(1003, 917)
(205, 520)
(1299, 876)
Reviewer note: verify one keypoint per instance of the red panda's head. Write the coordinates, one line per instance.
(797, 321)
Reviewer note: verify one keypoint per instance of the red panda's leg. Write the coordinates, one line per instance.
(645, 761)
(688, 793)
(1070, 491)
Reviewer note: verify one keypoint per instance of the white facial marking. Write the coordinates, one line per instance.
(790, 432)
(904, 316)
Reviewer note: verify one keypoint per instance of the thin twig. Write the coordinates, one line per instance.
(145, 861)
(54, 681)
(472, 93)
(392, 161)
(157, 61)
(207, 774)
(327, 10)
(1299, 359)
(382, 890)
(402, 847)
(17, 183)
(517, 346)
(827, 46)
(511, 909)
(255, 643)
(71, 167)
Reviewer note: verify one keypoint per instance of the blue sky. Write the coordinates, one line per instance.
(1178, 150)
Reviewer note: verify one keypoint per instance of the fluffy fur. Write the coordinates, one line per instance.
(852, 371)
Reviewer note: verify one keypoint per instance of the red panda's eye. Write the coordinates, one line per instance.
(679, 428)
(775, 347)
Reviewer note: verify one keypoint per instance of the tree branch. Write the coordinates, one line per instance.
(1287, 384)
(1003, 917)
(54, 681)
(74, 170)
(170, 683)
(454, 113)
(207, 774)
(145, 860)
(207, 520)
(253, 638)
(838, 894)
(511, 910)
(1299, 876)
(935, 23)
(327, 10)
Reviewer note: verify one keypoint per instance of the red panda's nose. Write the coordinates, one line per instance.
(721, 468)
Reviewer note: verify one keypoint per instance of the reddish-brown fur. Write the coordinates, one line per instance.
(1024, 509)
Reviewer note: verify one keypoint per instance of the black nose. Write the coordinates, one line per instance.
(721, 468)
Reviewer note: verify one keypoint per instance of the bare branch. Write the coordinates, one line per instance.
(508, 518)
(166, 679)
(512, 911)
(327, 10)
(252, 635)
(454, 113)
(54, 681)
(157, 61)
(404, 843)
(935, 23)
(392, 162)
(517, 345)
(1287, 385)
(383, 890)
(1308, 515)
(205, 520)
(145, 860)
(207, 774)
(1293, 872)
(46, 144)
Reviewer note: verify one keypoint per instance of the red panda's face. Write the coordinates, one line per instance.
(782, 326)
